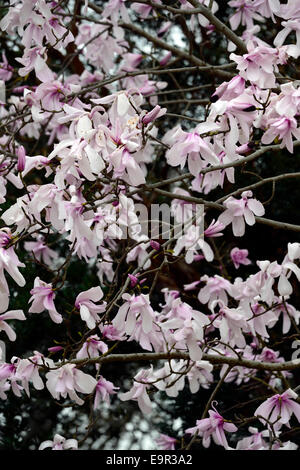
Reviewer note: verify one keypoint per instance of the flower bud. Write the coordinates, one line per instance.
(21, 159)
(155, 245)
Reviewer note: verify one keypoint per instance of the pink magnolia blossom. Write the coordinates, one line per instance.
(9, 261)
(139, 391)
(155, 245)
(59, 443)
(288, 26)
(66, 380)
(246, 13)
(231, 323)
(92, 347)
(104, 389)
(43, 299)
(133, 280)
(258, 66)
(154, 114)
(134, 307)
(34, 59)
(240, 211)
(279, 408)
(190, 146)
(54, 349)
(21, 159)
(229, 90)
(89, 310)
(215, 427)
(192, 241)
(144, 10)
(27, 370)
(284, 128)
(41, 251)
(10, 315)
(256, 441)
(216, 288)
(239, 257)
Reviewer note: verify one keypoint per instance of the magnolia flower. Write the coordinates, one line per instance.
(42, 299)
(11, 315)
(133, 280)
(216, 288)
(60, 443)
(190, 146)
(41, 251)
(138, 392)
(239, 211)
(245, 13)
(288, 26)
(21, 159)
(92, 347)
(239, 257)
(88, 309)
(133, 307)
(67, 380)
(9, 261)
(284, 128)
(231, 323)
(154, 114)
(229, 90)
(155, 245)
(104, 389)
(215, 427)
(255, 441)
(27, 370)
(279, 408)
(258, 65)
(34, 58)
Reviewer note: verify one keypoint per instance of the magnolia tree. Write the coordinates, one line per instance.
(133, 146)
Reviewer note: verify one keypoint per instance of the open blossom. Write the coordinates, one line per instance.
(89, 310)
(41, 251)
(34, 58)
(239, 257)
(104, 389)
(138, 392)
(215, 427)
(133, 307)
(9, 260)
(259, 65)
(67, 380)
(59, 443)
(11, 315)
(27, 370)
(279, 408)
(255, 441)
(240, 211)
(43, 299)
(192, 241)
(216, 288)
(190, 146)
(284, 128)
(92, 347)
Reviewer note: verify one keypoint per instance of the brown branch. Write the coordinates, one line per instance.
(213, 359)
